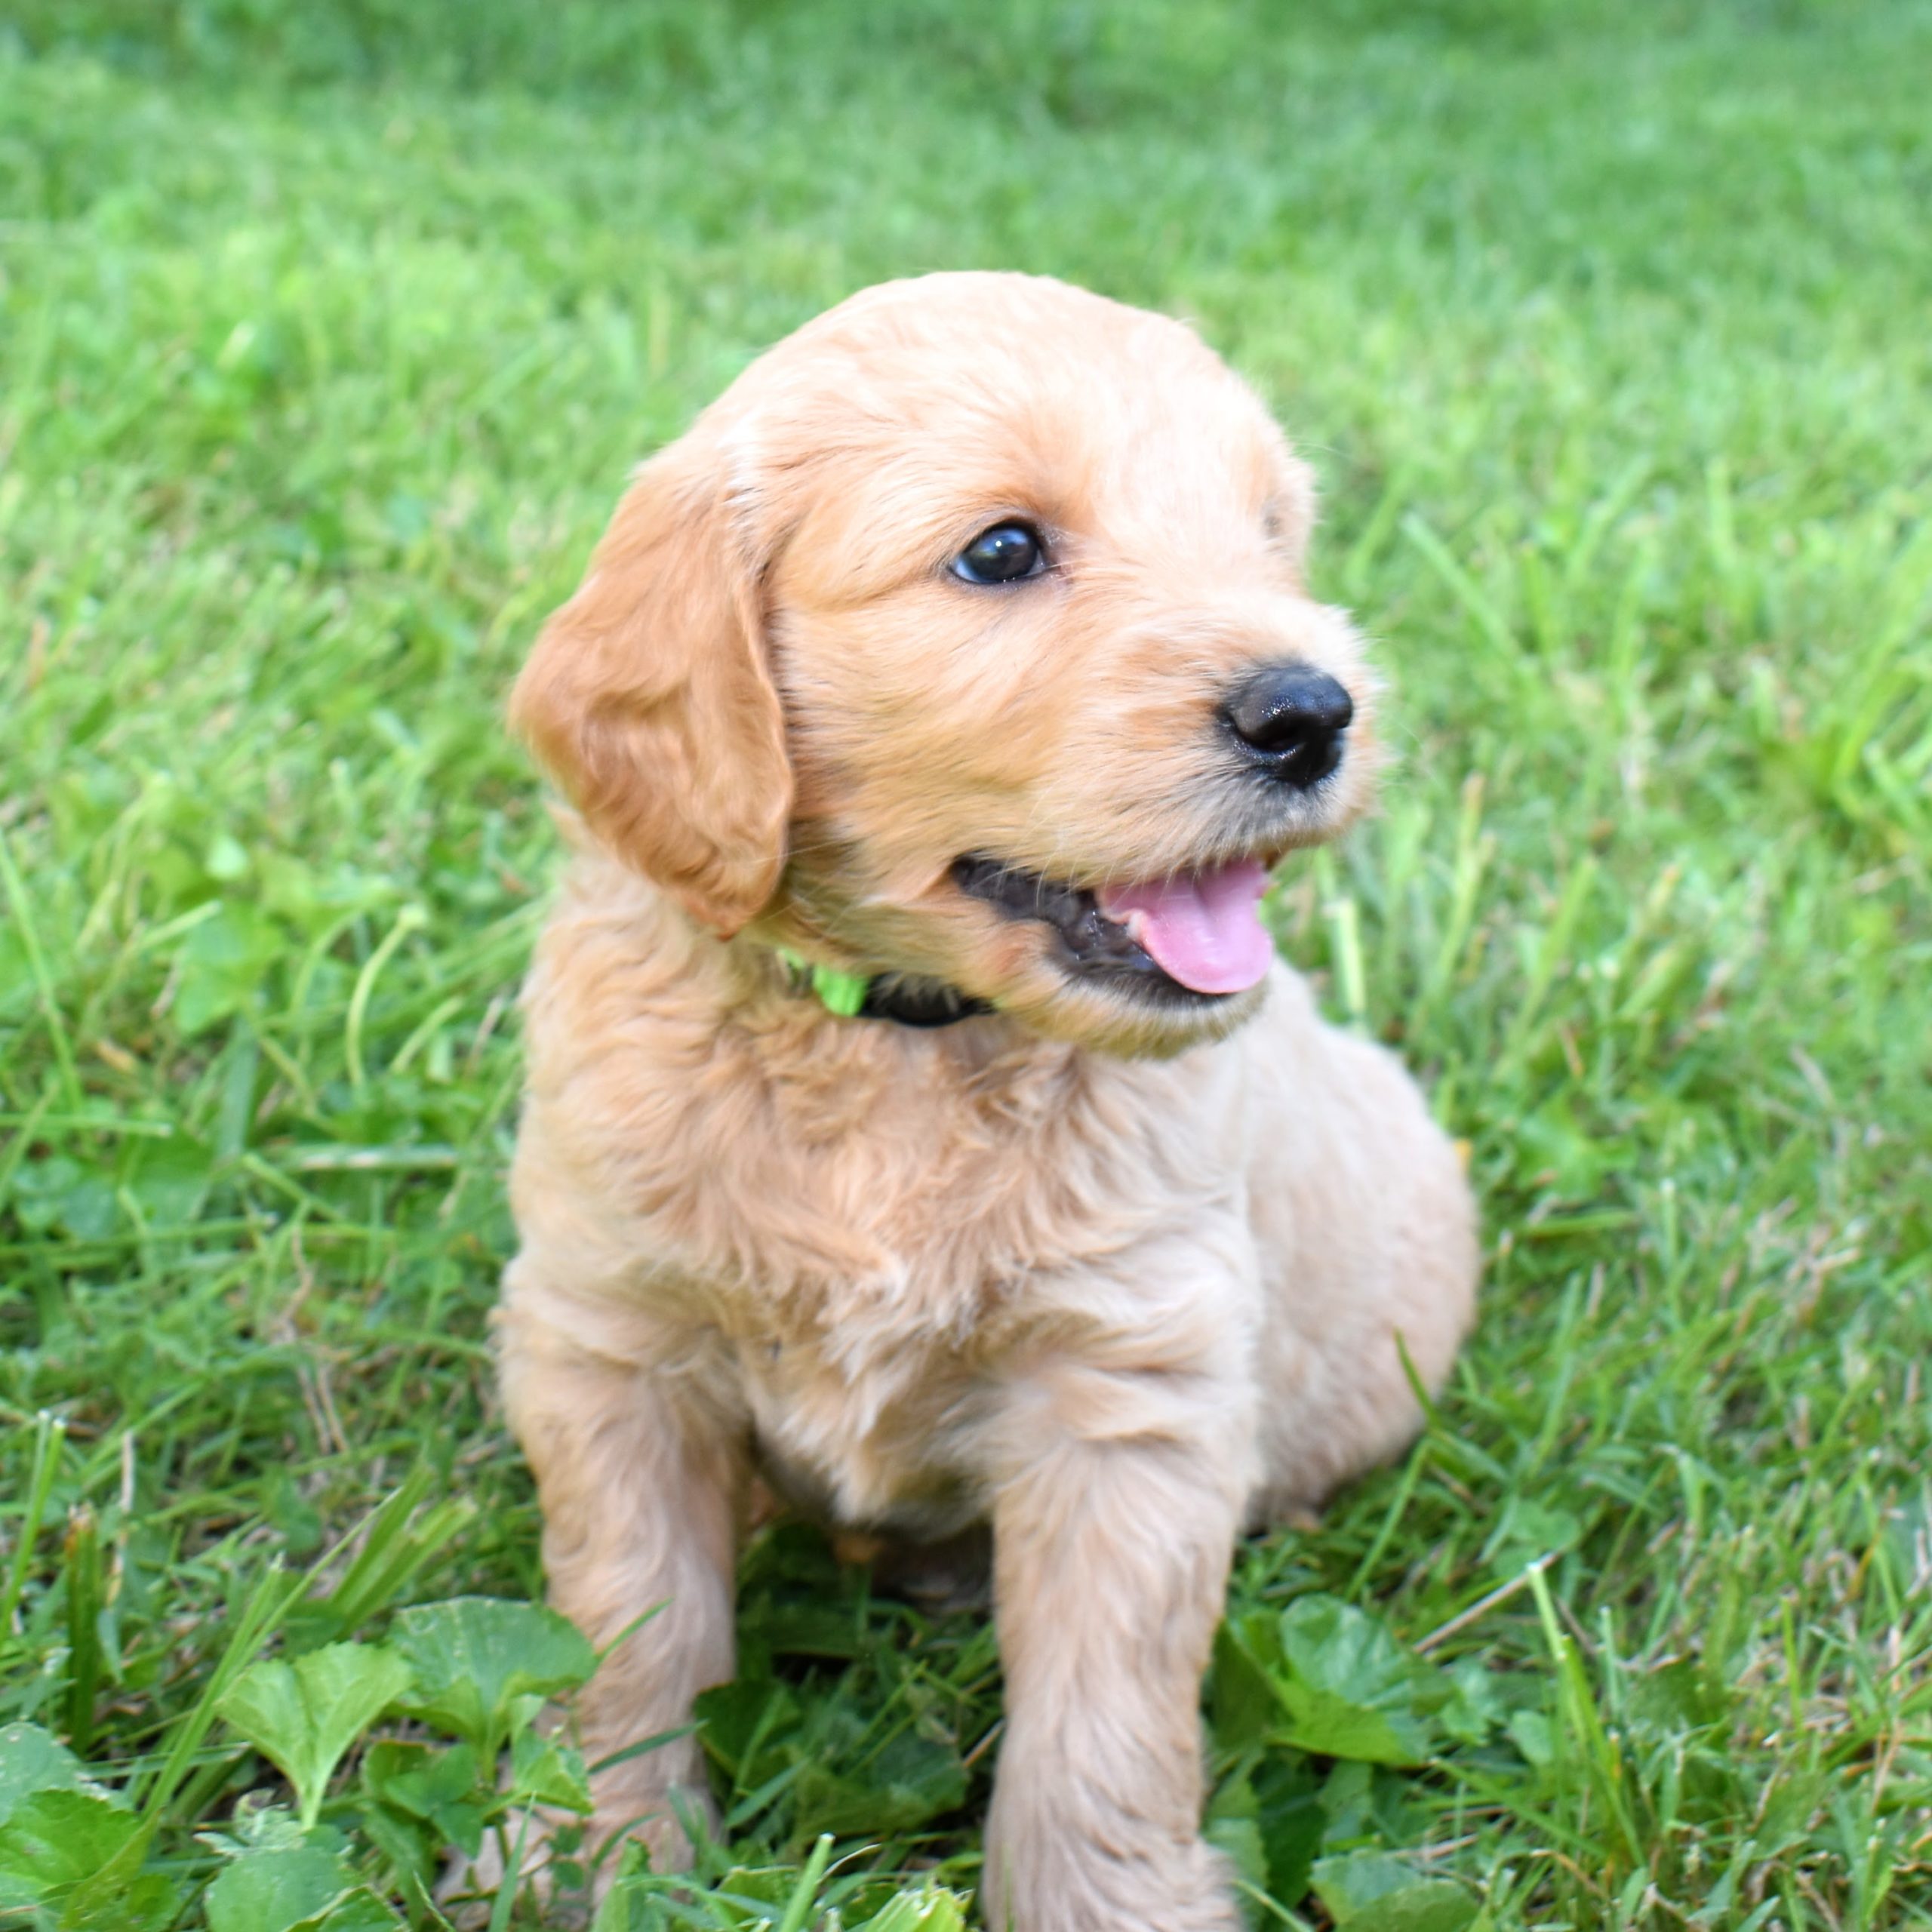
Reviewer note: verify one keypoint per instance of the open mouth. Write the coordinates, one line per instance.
(1195, 937)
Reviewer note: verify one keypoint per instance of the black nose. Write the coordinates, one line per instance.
(1290, 718)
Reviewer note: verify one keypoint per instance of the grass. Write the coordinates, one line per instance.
(326, 335)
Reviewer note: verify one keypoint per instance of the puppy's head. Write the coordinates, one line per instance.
(965, 638)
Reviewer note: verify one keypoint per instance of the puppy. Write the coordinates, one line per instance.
(917, 1113)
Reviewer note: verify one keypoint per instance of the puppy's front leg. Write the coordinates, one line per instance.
(638, 1479)
(1113, 1526)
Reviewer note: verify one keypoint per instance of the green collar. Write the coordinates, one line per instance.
(885, 996)
(842, 993)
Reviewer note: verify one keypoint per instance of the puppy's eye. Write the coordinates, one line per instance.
(1002, 554)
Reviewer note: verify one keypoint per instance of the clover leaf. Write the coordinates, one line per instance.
(481, 1664)
(305, 1715)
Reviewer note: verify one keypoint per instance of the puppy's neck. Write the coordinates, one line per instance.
(761, 981)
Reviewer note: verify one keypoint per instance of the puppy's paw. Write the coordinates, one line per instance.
(1210, 1904)
(467, 1892)
(1195, 1893)
(1279, 1506)
(1190, 1890)
(569, 1867)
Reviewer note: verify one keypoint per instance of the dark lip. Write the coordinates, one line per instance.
(1092, 947)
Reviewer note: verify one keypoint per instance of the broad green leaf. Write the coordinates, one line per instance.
(1290, 1813)
(1238, 1840)
(1528, 1529)
(1243, 1709)
(744, 1725)
(438, 1786)
(31, 1761)
(221, 962)
(418, 1777)
(149, 1903)
(305, 1714)
(1531, 1733)
(745, 1898)
(1476, 1706)
(168, 1179)
(1348, 1796)
(61, 1192)
(227, 858)
(1349, 1689)
(56, 1841)
(285, 1505)
(358, 1911)
(1268, 1817)
(474, 1658)
(544, 1771)
(269, 1891)
(913, 1780)
(57, 1837)
(1370, 1892)
(920, 1912)
(295, 1888)
(417, 1851)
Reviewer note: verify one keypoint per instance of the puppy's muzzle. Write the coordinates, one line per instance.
(1289, 720)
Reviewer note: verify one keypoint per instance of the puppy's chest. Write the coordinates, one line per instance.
(864, 1234)
(895, 1194)
(876, 1268)
(892, 1240)
(883, 1438)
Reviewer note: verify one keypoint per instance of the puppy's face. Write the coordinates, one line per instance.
(965, 638)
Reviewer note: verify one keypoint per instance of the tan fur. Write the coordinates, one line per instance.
(1117, 1279)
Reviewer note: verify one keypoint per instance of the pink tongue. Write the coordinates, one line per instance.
(1205, 931)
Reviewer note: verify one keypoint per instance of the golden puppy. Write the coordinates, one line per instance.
(960, 649)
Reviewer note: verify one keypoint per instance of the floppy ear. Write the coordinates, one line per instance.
(648, 700)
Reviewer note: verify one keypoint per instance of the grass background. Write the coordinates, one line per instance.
(326, 335)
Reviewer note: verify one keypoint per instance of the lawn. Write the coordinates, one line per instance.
(327, 333)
